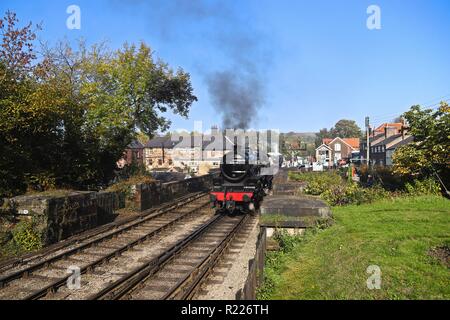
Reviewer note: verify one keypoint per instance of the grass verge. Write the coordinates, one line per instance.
(396, 235)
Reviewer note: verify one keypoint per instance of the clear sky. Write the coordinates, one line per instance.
(317, 61)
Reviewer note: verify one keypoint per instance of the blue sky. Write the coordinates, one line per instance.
(317, 60)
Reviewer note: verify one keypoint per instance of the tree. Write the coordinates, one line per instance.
(66, 120)
(342, 129)
(346, 129)
(16, 55)
(16, 50)
(323, 134)
(429, 154)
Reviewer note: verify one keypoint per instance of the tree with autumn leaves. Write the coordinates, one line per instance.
(429, 155)
(67, 116)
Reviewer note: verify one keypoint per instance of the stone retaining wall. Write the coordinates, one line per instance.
(255, 277)
(61, 216)
(149, 195)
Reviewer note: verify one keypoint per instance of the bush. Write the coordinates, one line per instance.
(126, 187)
(423, 187)
(316, 188)
(353, 194)
(317, 182)
(286, 241)
(26, 236)
(383, 175)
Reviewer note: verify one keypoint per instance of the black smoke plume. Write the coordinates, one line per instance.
(236, 96)
(237, 90)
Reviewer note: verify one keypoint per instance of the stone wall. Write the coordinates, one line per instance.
(61, 216)
(150, 195)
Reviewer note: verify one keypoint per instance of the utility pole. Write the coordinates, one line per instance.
(368, 140)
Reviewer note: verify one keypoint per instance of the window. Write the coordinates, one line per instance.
(170, 162)
(337, 147)
(160, 162)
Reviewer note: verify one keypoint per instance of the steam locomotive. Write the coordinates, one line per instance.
(244, 180)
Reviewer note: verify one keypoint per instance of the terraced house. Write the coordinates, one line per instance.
(158, 153)
(384, 141)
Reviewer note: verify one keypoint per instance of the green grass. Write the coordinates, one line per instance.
(279, 219)
(395, 235)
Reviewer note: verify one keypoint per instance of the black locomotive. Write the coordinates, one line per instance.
(244, 180)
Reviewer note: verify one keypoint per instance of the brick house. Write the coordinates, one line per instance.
(158, 153)
(133, 154)
(390, 128)
(332, 151)
(384, 140)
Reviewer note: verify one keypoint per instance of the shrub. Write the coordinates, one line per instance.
(383, 175)
(126, 187)
(353, 194)
(423, 187)
(286, 241)
(26, 236)
(317, 182)
(41, 181)
(316, 188)
(7, 209)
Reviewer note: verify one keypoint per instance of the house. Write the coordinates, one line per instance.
(384, 140)
(390, 128)
(187, 152)
(332, 151)
(193, 152)
(133, 154)
(158, 153)
(390, 151)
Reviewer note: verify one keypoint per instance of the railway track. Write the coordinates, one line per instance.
(42, 276)
(179, 272)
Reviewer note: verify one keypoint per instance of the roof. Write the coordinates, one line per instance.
(159, 142)
(405, 141)
(135, 145)
(323, 145)
(396, 125)
(352, 142)
(387, 140)
(377, 136)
